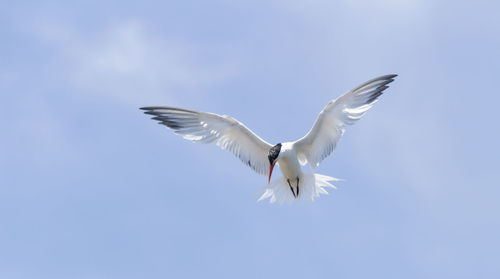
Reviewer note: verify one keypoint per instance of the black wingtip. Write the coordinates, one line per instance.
(165, 108)
(155, 107)
(390, 76)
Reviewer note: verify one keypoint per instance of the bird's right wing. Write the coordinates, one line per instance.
(329, 127)
(225, 131)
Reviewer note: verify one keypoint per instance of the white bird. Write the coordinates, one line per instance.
(230, 134)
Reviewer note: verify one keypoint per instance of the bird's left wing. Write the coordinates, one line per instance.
(225, 131)
(329, 127)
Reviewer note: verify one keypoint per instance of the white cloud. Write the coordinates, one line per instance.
(127, 63)
(359, 11)
(124, 64)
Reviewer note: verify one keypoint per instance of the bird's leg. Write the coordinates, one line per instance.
(297, 186)
(291, 188)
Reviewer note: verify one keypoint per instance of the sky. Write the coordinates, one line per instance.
(90, 188)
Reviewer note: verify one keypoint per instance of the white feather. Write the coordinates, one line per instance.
(311, 186)
(224, 131)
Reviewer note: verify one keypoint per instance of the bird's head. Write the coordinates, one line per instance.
(273, 155)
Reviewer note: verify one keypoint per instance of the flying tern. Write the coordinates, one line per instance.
(230, 134)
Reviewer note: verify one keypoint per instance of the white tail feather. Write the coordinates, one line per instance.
(311, 186)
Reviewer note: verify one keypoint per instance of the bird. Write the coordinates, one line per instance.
(261, 156)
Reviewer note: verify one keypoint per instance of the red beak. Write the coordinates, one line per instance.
(270, 172)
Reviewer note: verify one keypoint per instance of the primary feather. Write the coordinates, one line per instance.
(330, 125)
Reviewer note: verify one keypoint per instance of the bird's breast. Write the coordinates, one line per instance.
(290, 167)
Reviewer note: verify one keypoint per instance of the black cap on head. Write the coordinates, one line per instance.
(273, 153)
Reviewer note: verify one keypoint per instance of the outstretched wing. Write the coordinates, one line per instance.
(225, 131)
(321, 140)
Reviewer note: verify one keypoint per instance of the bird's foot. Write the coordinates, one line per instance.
(291, 188)
(297, 186)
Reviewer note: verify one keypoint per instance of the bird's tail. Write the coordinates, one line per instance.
(311, 186)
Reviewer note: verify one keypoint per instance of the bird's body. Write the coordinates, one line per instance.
(317, 144)
(288, 162)
(290, 167)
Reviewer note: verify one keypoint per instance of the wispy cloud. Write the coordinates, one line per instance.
(124, 64)
(127, 63)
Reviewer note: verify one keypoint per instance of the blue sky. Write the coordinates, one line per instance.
(91, 188)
